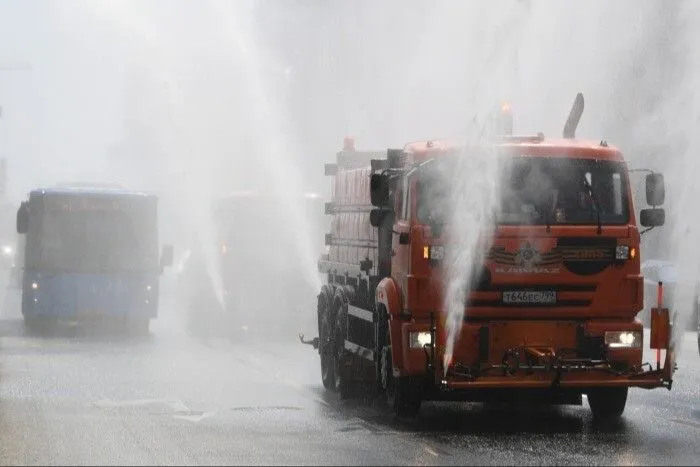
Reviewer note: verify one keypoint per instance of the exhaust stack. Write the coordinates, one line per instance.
(574, 117)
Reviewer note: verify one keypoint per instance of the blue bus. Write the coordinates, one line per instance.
(91, 254)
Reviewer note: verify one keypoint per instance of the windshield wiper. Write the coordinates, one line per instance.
(595, 203)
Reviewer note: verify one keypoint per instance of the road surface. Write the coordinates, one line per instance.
(173, 398)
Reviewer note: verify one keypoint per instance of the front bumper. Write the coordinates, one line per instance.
(564, 377)
(506, 356)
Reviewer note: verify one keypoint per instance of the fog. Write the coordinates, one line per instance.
(194, 100)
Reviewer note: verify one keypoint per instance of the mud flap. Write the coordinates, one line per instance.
(662, 337)
(670, 365)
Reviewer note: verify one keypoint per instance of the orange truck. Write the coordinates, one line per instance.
(550, 314)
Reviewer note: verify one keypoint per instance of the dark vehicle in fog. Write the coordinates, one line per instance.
(91, 254)
(260, 256)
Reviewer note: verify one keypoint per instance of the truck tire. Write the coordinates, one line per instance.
(342, 380)
(380, 341)
(325, 349)
(607, 404)
(403, 395)
(696, 317)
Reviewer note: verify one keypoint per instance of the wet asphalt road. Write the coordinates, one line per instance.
(173, 398)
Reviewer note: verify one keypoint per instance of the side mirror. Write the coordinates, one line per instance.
(652, 217)
(23, 218)
(166, 256)
(377, 216)
(656, 191)
(379, 190)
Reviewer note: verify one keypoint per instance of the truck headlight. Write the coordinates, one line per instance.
(434, 252)
(624, 252)
(7, 250)
(418, 340)
(623, 339)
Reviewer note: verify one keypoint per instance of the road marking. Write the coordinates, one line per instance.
(373, 427)
(321, 401)
(175, 405)
(687, 423)
(195, 418)
(266, 407)
(430, 451)
(179, 410)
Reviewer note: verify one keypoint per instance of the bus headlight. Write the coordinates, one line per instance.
(7, 250)
(35, 285)
(623, 339)
(418, 340)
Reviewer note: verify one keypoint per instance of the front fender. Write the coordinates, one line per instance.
(388, 294)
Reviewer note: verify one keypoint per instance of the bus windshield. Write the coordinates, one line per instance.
(540, 191)
(97, 241)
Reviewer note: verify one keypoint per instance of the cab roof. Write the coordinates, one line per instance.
(536, 146)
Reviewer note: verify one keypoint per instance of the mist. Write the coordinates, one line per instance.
(197, 100)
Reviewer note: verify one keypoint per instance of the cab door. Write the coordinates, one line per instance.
(401, 241)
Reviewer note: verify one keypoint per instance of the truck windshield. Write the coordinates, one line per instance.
(539, 190)
(96, 241)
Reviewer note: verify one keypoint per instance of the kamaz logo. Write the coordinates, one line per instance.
(528, 257)
(527, 260)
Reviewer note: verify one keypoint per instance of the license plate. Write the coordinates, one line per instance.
(536, 297)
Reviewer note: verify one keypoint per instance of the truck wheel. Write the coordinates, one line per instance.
(326, 351)
(342, 383)
(403, 395)
(607, 403)
(381, 341)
